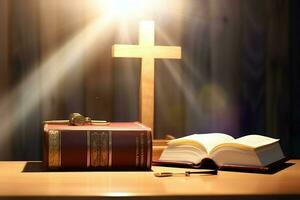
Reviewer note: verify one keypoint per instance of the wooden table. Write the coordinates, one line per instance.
(25, 180)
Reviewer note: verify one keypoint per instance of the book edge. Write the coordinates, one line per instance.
(241, 168)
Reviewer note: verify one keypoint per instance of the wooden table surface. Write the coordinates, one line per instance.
(25, 179)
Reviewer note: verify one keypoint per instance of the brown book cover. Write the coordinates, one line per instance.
(118, 145)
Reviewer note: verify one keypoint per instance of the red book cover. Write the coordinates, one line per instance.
(118, 145)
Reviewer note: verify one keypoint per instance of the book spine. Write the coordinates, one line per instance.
(98, 149)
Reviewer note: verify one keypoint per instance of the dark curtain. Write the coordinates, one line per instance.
(238, 72)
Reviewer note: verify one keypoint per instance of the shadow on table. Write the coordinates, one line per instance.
(280, 167)
(37, 166)
(34, 166)
(272, 170)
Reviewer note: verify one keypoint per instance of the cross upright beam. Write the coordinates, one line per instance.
(148, 52)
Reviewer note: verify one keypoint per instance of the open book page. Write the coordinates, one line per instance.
(207, 141)
(255, 141)
(248, 142)
(250, 150)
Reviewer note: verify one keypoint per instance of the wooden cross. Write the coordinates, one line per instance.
(147, 51)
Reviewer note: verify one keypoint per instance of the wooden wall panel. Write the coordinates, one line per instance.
(225, 61)
(4, 39)
(197, 72)
(254, 49)
(169, 102)
(278, 73)
(70, 22)
(99, 69)
(126, 75)
(294, 9)
(24, 45)
(87, 87)
(5, 138)
(49, 30)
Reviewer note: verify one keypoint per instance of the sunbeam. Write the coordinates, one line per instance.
(126, 102)
(208, 99)
(56, 67)
(188, 93)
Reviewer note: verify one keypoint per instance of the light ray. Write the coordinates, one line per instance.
(188, 92)
(55, 68)
(125, 75)
(207, 101)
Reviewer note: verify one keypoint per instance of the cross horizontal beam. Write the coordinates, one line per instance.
(139, 51)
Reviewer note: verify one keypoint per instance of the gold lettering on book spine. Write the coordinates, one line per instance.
(110, 148)
(99, 149)
(142, 149)
(137, 151)
(88, 150)
(104, 149)
(54, 153)
(149, 138)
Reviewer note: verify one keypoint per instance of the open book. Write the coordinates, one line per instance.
(251, 151)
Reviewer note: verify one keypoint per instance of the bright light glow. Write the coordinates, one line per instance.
(123, 9)
(66, 58)
(126, 8)
(118, 194)
(53, 69)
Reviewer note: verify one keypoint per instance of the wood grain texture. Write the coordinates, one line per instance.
(5, 74)
(170, 106)
(49, 42)
(254, 29)
(98, 68)
(224, 89)
(295, 85)
(25, 94)
(196, 57)
(4, 40)
(278, 73)
(232, 185)
(70, 23)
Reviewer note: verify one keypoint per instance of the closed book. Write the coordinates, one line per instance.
(116, 146)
